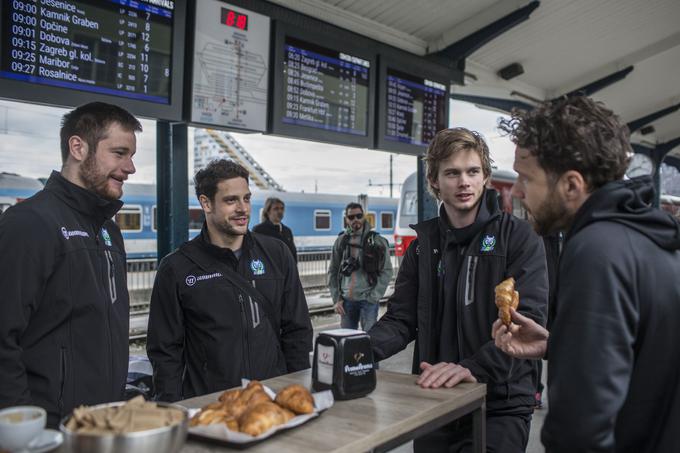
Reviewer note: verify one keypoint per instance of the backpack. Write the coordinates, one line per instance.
(373, 255)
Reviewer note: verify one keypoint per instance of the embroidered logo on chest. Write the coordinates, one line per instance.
(106, 237)
(488, 243)
(257, 266)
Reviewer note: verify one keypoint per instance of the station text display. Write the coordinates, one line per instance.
(325, 88)
(115, 47)
(416, 108)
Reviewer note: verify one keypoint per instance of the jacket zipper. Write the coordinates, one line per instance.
(111, 271)
(470, 280)
(459, 314)
(244, 327)
(254, 312)
(62, 383)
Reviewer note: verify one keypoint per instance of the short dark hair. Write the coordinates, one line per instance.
(91, 121)
(353, 205)
(268, 203)
(449, 141)
(573, 133)
(207, 179)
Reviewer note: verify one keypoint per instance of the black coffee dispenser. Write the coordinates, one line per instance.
(343, 363)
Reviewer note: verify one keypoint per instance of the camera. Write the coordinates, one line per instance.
(348, 266)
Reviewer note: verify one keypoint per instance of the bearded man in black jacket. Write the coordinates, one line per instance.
(613, 380)
(229, 303)
(64, 310)
(444, 296)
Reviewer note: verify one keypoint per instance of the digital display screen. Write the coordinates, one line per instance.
(325, 89)
(235, 19)
(113, 47)
(416, 108)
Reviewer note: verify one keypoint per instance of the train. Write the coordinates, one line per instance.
(315, 219)
(407, 210)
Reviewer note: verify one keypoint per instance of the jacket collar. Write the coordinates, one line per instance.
(82, 200)
(202, 241)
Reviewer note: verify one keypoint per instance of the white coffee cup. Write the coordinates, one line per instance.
(19, 425)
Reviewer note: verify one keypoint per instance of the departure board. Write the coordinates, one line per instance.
(415, 108)
(113, 47)
(324, 88)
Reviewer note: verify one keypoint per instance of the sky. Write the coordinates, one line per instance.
(29, 146)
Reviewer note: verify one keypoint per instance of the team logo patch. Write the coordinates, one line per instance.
(69, 234)
(488, 243)
(257, 266)
(106, 237)
(64, 232)
(190, 280)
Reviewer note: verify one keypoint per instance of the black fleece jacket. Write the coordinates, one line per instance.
(614, 368)
(64, 309)
(498, 246)
(216, 318)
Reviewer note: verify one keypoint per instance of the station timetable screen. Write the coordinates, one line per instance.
(114, 47)
(325, 88)
(416, 108)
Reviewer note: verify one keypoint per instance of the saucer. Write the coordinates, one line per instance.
(47, 440)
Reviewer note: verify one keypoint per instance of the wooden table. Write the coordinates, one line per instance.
(395, 412)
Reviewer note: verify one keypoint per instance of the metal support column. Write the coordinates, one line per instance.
(172, 212)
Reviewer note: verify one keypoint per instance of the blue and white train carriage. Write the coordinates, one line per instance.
(316, 219)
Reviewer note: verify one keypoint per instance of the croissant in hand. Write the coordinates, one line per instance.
(506, 298)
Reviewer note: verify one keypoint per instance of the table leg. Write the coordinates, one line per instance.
(479, 429)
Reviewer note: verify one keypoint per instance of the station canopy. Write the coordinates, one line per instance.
(625, 53)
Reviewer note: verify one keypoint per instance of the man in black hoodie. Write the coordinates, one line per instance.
(272, 224)
(229, 303)
(444, 296)
(613, 379)
(64, 310)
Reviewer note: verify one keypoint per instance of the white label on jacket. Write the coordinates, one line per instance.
(325, 356)
(69, 234)
(191, 280)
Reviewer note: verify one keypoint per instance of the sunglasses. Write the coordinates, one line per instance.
(355, 216)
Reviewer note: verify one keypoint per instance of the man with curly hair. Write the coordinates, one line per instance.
(613, 380)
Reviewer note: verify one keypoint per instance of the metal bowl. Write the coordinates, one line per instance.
(167, 439)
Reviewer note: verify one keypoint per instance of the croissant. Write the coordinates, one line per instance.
(263, 417)
(506, 298)
(296, 398)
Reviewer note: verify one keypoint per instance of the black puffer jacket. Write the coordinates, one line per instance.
(64, 312)
(614, 374)
(502, 246)
(216, 319)
(280, 232)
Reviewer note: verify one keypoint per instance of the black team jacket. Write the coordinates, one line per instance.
(215, 319)
(614, 373)
(496, 246)
(281, 232)
(64, 308)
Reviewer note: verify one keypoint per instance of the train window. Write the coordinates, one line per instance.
(387, 220)
(196, 218)
(370, 216)
(322, 219)
(129, 218)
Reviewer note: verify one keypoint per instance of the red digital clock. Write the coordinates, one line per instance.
(234, 19)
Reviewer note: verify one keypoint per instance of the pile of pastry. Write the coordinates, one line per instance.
(250, 410)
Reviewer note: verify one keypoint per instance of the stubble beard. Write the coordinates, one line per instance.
(551, 216)
(95, 181)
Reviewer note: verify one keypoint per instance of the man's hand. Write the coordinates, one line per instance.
(523, 339)
(339, 309)
(443, 374)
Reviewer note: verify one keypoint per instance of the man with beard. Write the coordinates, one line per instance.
(64, 312)
(444, 296)
(359, 271)
(272, 224)
(229, 303)
(613, 380)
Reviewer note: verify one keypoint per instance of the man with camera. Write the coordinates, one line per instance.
(359, 272)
